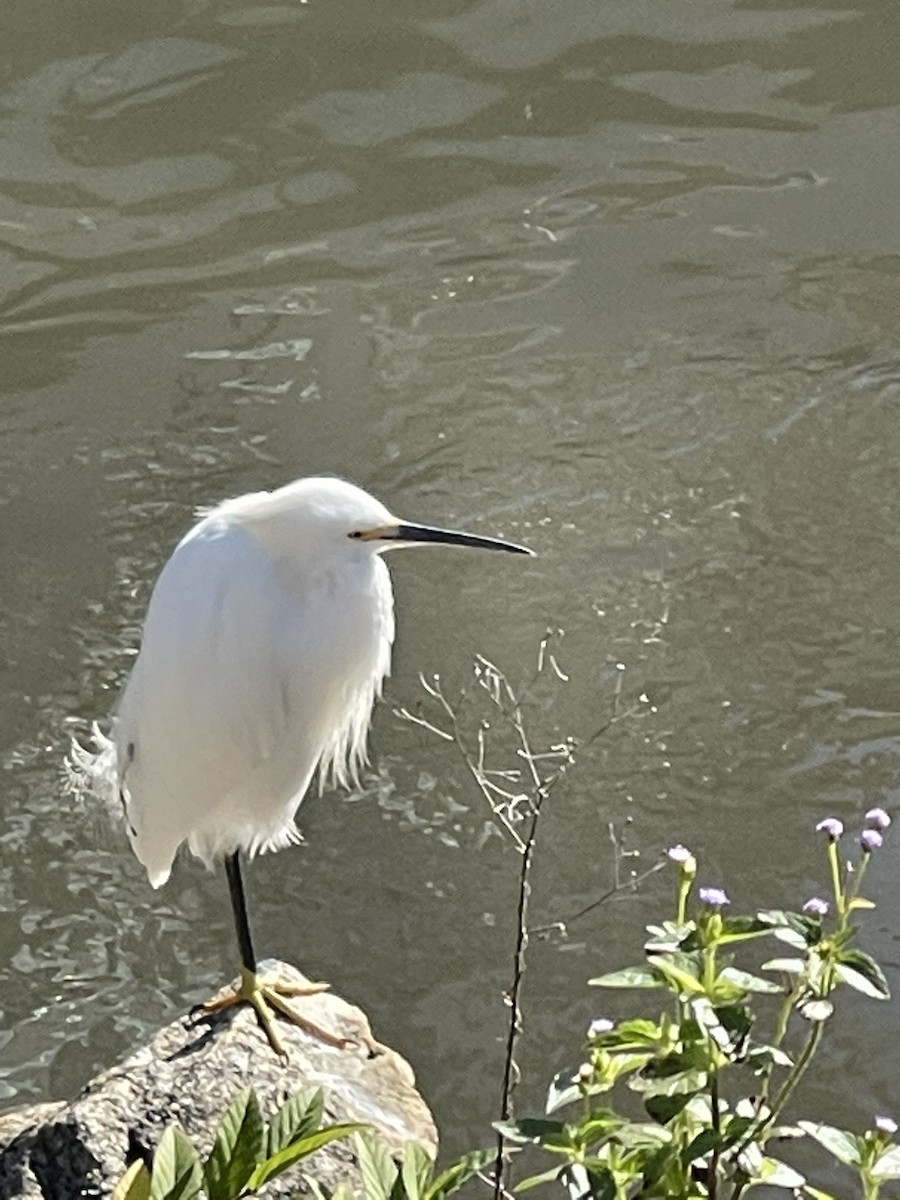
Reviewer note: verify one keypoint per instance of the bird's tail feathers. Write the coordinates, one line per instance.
(92, 773)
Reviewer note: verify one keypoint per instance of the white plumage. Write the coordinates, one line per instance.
(267, 640)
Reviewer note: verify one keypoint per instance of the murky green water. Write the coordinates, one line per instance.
(622, 280)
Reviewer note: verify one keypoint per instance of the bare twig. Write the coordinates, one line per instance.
(516, 798)
(414, 719)
(626, 885)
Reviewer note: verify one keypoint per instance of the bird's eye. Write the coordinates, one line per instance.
(357, 533)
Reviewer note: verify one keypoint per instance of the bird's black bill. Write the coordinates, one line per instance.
(450, 537)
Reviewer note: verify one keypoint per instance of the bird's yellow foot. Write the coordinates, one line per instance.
(268, 997)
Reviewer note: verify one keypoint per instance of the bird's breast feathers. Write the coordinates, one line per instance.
(250, 674)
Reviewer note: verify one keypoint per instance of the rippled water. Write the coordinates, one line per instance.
(621, 280)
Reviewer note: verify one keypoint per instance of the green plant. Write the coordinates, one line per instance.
(413, 1179)
(246, 1154)
(687, 1104)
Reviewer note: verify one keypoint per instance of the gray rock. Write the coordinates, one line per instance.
(188, 1074)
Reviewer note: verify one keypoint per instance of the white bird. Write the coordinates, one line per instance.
(266, 642)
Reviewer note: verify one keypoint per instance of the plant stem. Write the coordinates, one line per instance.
(871, 1187)
(795, 1074)
(685, 882)
(712, 1179)
(837, 885)
(781, 1028)
(853, 891)
(797, 1071)
(515, 1021)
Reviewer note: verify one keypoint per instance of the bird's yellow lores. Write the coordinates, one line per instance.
(266, 642)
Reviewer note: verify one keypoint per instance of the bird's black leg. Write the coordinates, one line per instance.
(239, 908)
(266, 997)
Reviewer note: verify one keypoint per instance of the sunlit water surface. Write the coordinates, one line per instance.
(620, 280)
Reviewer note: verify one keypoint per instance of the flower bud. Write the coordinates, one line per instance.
(870, 839)
(684, 859)
(714, 897)
(877, 818)
(832, 827)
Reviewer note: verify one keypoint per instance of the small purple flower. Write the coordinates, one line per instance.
(714, 897)
(832, 826)
(877, 818)
(886, 1125)
(870, 839)
(600, 1025)
(814, 907)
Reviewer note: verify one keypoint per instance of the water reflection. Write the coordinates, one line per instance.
(621, 278)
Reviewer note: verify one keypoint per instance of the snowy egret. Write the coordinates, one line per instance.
(266, 641)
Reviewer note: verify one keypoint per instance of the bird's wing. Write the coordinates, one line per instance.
(209, 697)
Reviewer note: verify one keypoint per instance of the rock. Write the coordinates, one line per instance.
(188, 1074)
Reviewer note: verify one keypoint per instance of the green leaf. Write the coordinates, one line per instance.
(379, 1171)
(654, 1168)
(321, 1191)
(740, 929)
(818, 978)
(781, 922)
(817, 1193)
(629, 977)
(842, 937)
(698, 1111)
(460, 1172)
(796, 929)
(238, 1147)
(789, 966)
(636, 1034)
(778, 1174)
(706, 1018)
(664, 1108)
(298, 1116)
(134, 1184)
(601, 1124)
(275, 1164)
(735, 1129)
(842, 1145)
(681, 1083)
(637, 1135)
(415, 1170)
(670, 930)
(705, 1141)
(862, 972)
(681, 970)
(563, 1089)
(534, 1181)
(582, 1183)
(857, 980)
(859, 902)
(177, 1174)
(616, 1066)
(737, 1019)
(887, 1165)
(764, 1056)
(748, 982)
(792, 938)
(784, 1133)
(535, 1131)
